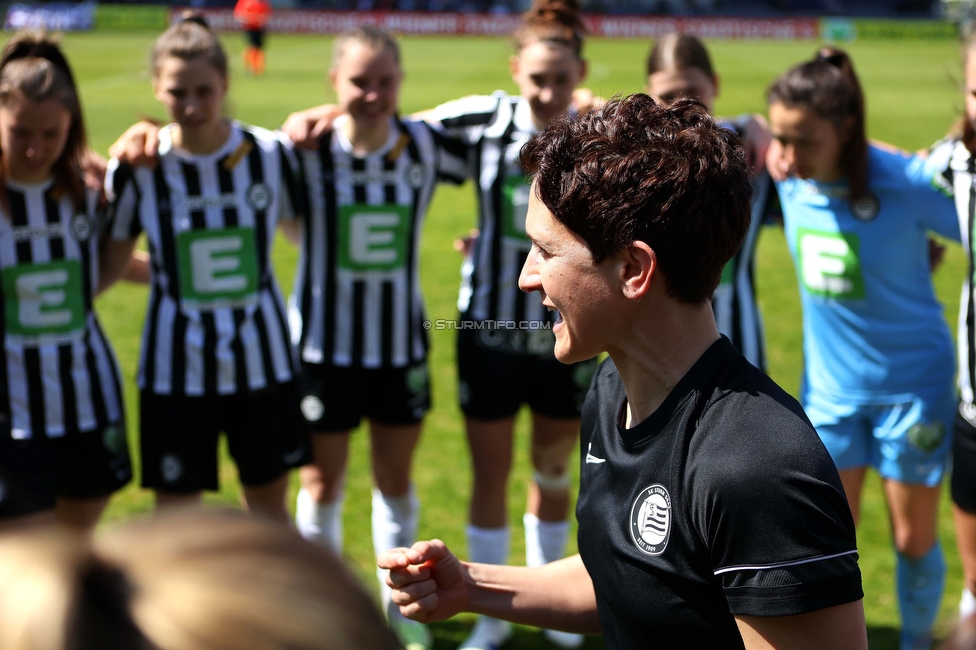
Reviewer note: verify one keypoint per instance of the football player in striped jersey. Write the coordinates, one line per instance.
(63, 443)
(216, 354)
(954, 158)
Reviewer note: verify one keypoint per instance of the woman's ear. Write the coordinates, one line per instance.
(638, 265)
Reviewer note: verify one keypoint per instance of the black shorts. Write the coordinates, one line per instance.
(962, 484)
(494, 383)
(255, 37)
(35, 473)
(265, 435)
(337, 398)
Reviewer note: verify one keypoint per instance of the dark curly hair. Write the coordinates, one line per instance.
(666, 175)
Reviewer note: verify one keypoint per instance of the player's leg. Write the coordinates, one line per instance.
(913, 446)
(963, 487)
(332, 405)
(178, 444)
(258, 52)
(267, 438)
(921, 565)
(846, 431)
(90, 467)
(400, 398)
(556, 401)
(853, 480)
(489, 393)
(28, 483)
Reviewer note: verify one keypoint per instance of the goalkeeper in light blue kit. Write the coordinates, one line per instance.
(878, 380)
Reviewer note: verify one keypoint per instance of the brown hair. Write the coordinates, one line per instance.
(964, 127)
(829, 87)
(552, 21)
(190, 38)
(636, 170)
(34, 66)
(194, 580)
(370, 35)
(679, 52)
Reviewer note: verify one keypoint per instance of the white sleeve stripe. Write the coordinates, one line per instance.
(782, 565)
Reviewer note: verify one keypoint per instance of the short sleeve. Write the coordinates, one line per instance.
(452, 156)
(774, 516)
(294, 202)
(465, 119)
(123, 196)
(933, 201)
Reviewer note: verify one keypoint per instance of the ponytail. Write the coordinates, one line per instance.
(190, 38)
(829, 87)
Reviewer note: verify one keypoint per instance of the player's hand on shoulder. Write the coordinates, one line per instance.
(585, 100)
(429, 582)
(304, 127)
(93, 167)
(138, 145)
(776, 163)
(465, 244)
(755, 140)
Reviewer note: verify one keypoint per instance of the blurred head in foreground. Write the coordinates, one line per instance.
(198, 580)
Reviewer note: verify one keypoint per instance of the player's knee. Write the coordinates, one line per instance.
(552, 482)
(914, 544)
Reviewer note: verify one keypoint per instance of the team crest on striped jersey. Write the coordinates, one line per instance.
(259, 196)
(650, 519)
(415, 175)
(82, 227)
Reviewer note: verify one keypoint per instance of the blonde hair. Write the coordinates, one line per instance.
(195, 580)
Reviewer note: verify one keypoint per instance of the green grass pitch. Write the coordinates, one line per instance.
(914, 93)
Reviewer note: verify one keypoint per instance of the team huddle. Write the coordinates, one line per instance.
(627, 227)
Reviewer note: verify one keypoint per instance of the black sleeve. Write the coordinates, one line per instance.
(770, 506)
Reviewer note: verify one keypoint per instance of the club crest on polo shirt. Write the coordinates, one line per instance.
(650, 519)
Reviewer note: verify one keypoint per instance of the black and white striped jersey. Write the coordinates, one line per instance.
(494, 128)
(357, 299)
(216, 319)
(58, 374)
(955, 168)
(734, 301)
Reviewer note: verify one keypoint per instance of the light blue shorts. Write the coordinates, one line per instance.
(907, 441)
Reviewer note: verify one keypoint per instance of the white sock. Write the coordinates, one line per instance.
(967, 605)
(488, 545)
(320, 523)
(545, 541)
(394, 524)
